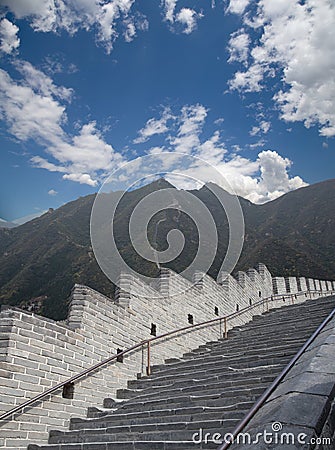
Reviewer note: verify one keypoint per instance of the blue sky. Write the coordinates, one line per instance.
(86, 85)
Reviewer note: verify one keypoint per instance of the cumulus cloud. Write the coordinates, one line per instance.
(82, 178)
(43, 14)
(154, 127)
(263, 128)
(52, 192)
(170, 6)
(260, 180)
(107, 18)
(296, 43)
(275, 180)
(238, 6)
(191, 122)
(41, 83)
(9, 40)
(238, 46)
(33, 110)
(130, 32)
(212, 150)
(187, 17)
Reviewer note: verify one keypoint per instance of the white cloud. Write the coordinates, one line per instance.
(170, 6)
(191, 123)
(29, 115)
(133, 24)
(212, 150)
(43, 13)
(71, 16)
(24, 219)
(238, 46)
(52, 192)
(262, 128)
(238, 6)
(154, 127)
(32, 110)
(275, 180)
(82, 178)
(9, 40)
(259, 143)
(41, 83)
(327, 131)
(107, 16)
(250, 80)
(108, 19)
(260, 180)
(185, 16)
(87, 151)
(130, 32)
(296, 43)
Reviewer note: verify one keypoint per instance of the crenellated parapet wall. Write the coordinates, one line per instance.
(36, 353)
(292, 285)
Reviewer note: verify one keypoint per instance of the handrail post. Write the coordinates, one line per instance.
(225, 328)
(148, 360)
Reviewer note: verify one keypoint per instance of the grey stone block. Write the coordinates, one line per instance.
(305, 410)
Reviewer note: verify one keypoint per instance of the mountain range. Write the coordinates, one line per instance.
(42, 259)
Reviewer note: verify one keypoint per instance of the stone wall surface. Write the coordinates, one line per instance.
(279, 285)
(37, 353)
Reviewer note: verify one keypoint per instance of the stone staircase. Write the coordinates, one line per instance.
(210, 388)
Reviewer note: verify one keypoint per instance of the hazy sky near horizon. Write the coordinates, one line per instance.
(87, 85)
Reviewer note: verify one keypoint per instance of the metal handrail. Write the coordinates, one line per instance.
(260, 402)
(148, 342)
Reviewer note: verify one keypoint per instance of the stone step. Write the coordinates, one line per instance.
(241, 358)
(289, 318)
(245, 350)
(102, 413)
(163, 436)
(272, 329)
(170, 416)
(230, 347)
(270, 369)
(199, 391)
(226, 362)
(130, 445)
(305, 310)
(308, 313)
(195, 386)
(180, 430)
(219, 399)
(279, 329)
(216, 380)
(274, 335)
